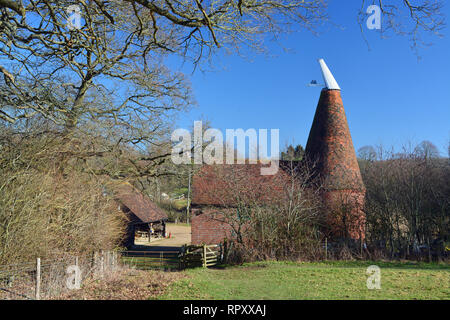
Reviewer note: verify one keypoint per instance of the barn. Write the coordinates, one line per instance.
(143, 215)
(217, 191)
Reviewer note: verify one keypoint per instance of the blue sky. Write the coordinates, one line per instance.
(390, 96)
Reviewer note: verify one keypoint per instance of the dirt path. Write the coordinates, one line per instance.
(179, 234)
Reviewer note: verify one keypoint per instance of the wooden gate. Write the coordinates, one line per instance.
(200, 256)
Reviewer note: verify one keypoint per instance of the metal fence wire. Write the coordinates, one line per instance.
(46, 279)
(18, 281)
(147, 260)
(50, 278)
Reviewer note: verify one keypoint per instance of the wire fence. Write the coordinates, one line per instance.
(151, 260)
(47, 279)
(50, 278)
(17, 281)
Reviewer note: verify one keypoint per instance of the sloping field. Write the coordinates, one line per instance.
(327, 280)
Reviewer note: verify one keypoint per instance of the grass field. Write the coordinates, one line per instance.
(325, 280)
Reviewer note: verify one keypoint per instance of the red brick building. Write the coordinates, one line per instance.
(329, 151)
(218, 190)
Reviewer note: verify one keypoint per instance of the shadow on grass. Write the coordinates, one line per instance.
(392, 264)
(445, 266)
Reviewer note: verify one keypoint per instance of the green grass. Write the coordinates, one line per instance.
(179, 191)
(148, 263)
(325, 280)
(179, 204)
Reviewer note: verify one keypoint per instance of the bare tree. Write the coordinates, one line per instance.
(407, 202)
(427, 150)
(46, 211)
(367, 153)
(268, 216)
(118, 53)
(107, 84)
(413, 19)
(119, 50)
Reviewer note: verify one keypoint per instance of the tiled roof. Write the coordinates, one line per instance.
(225, 185)
(141, 206)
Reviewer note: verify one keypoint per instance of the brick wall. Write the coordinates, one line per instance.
(330, 145)
(209, 228)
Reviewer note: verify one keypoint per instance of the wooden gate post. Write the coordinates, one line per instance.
(38, 279)
(182, 257)
(204, 255)
(225, 251)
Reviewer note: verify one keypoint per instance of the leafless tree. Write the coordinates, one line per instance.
(411, 18)
(46, 211)
(269, 217)
(407, 203)
(367, 153)
(119, 50)
(118, 53)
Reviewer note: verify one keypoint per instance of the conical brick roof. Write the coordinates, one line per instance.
(330, 145)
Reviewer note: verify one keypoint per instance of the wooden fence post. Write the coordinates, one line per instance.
(38, 279)
(109, 260)
(326, 248)
(96, 263)
(102, 263)
(204, 255)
